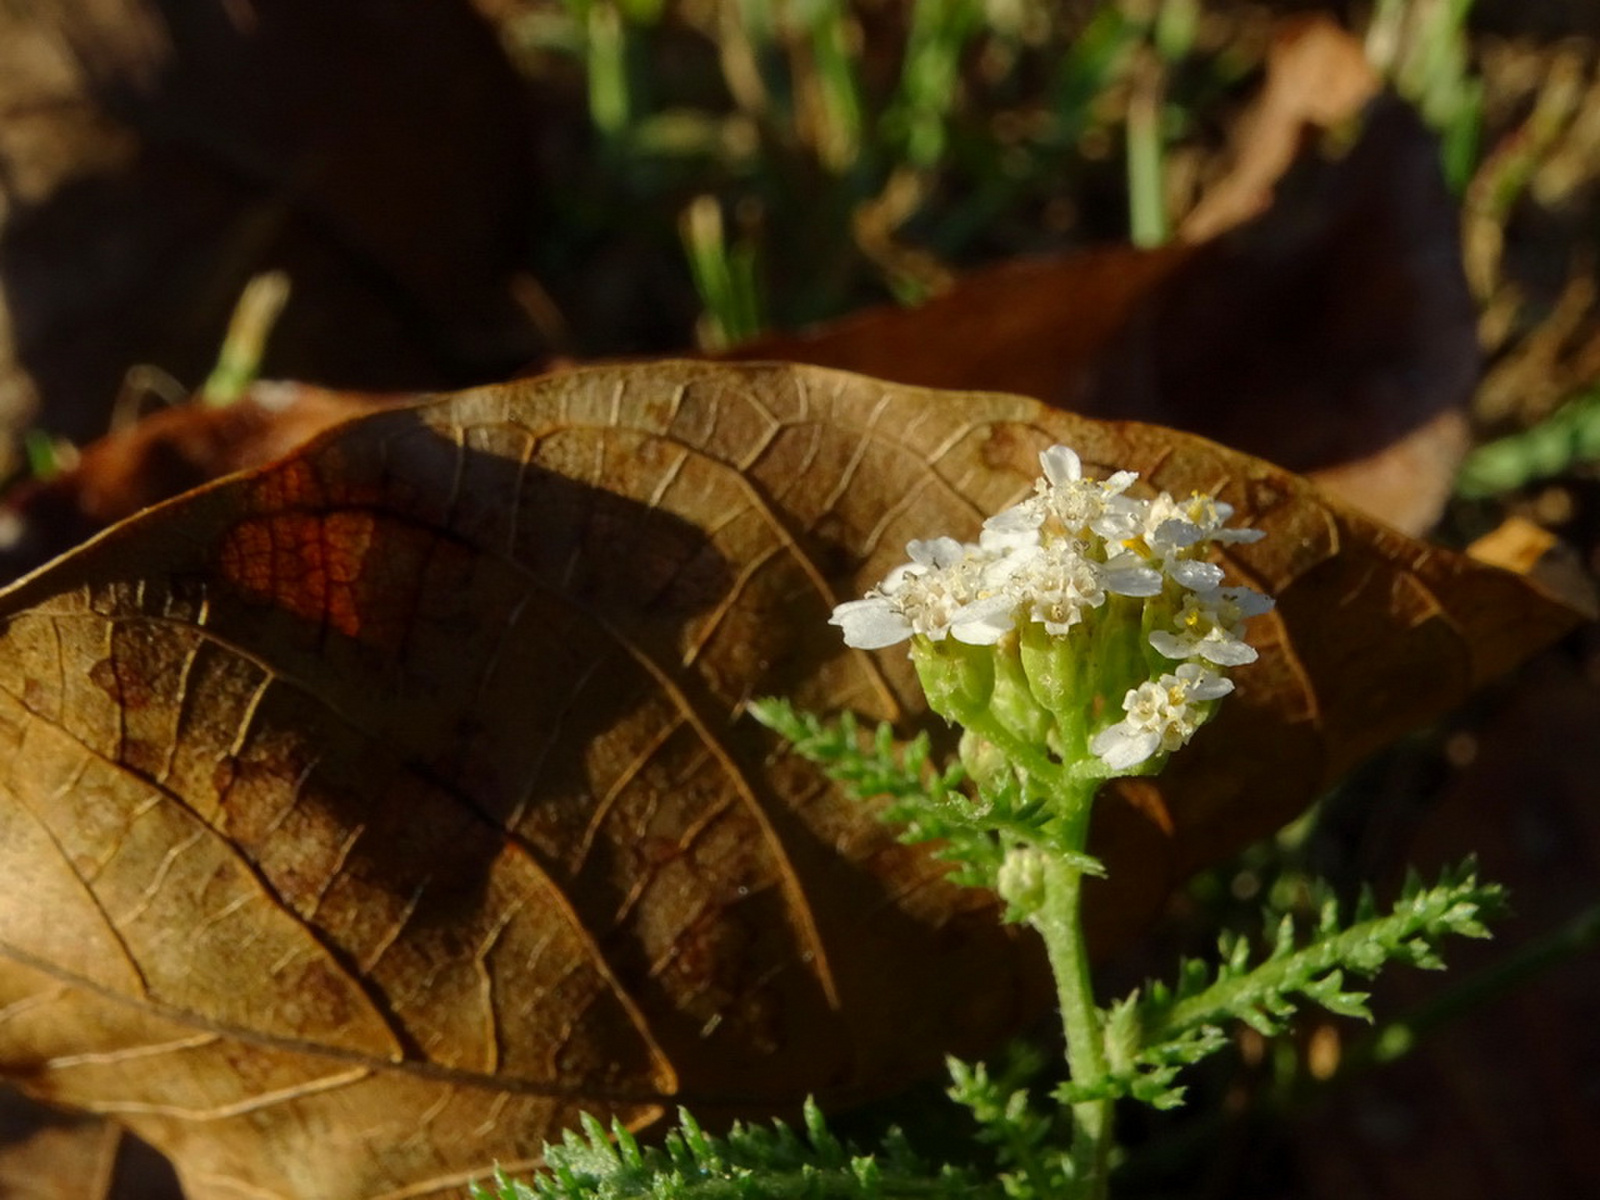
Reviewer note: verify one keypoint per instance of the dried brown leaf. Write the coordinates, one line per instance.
(1332, 334)
(161, 456)
(366, 816)
(1031, 326)
(49, 1156)
(1318, 77)
(46, 1154)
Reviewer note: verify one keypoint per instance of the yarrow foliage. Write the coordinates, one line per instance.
(750, 1162)
(1085, 635)
(1079, 599)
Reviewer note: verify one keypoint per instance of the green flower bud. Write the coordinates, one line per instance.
(1021, 881)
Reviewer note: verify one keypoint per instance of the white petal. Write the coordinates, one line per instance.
(1061, 465)
(940, 552)
(979, 633)
(1196, 576)
(1120, 522)
(1238, 536)
(1127, 575)
(983, 622)
(1122, 746)
(1019, 518)
(1250, 602)
(870, 624)
(1177, 533)
(1006, 567)
(900, 576)
(1224, 651)
(1008, 539)
(1170, 644)
(1201, 684)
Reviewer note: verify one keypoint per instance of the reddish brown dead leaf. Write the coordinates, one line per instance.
(1324, 335)
(1333, 334)
(164, 454)
(366, 817)
(1318, 77)
(1032, 326)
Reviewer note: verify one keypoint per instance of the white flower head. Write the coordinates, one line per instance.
(945, 590)
(1210, 625)
(1062, 584)
(1056, 556)
(1162, 715)
(1036, 618)
(1064, 503)
(1177, 533)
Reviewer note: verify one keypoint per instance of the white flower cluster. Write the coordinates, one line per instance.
(1056, 557)
(1163, 715)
